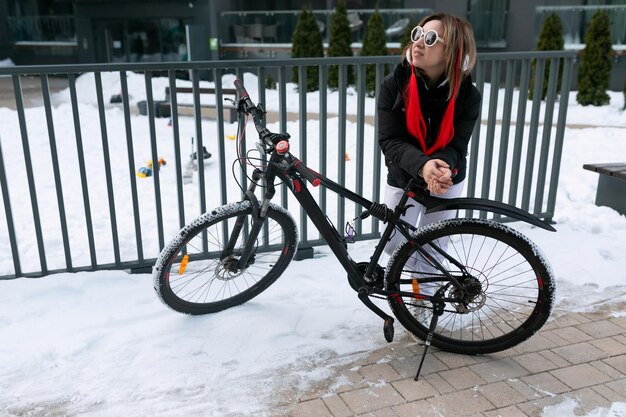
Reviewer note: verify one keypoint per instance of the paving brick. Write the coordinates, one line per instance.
(580, 376)
(520, 386)
(415, 390)
(462, 378)
(461, 403)
(620, 321)
(503, 354)
(535, 408)
(406, 367)
(595, 315)
(385, 412)
(313, 408)
(536, 343)
(556, 340)
(600, 329)
(417, 408)
(554, 358)
(314, 392)
(401, 349)
(606, 369)
(383, 355)
(572, 334)
(511, 411)
(372, 398)
(610, 345)
(617, 362)
(579, 317)
(551, 324)
(566, 320)
(580, 353)
(535, 362)
(545, 384)
(501, 394)
(608, 393)
(438, 383)
(588, 400)
(618, 386)
(337, 407)
(347, 380)
(379, 372)
(453, 360)
(499, 370)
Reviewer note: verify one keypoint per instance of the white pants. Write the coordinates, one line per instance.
(416, 215)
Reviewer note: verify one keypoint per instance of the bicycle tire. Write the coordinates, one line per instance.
(193, 276)
(516, 292)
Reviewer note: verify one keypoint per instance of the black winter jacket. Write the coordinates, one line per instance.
(403, 154)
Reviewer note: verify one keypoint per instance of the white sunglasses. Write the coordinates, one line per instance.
(430, 38)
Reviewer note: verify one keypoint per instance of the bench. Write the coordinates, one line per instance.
(611, 185)
(163, 108)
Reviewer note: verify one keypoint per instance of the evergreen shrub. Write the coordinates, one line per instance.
(595, 64)
(374, 44)
(550, 39)
(339, 43)
(307, 42)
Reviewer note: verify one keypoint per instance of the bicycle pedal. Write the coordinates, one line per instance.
(388, 330)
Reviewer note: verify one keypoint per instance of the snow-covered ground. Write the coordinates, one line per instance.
(101, 344)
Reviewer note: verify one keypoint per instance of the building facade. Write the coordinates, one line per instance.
(85, 31)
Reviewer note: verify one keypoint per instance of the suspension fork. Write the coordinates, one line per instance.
(258, 218)
(275, 166)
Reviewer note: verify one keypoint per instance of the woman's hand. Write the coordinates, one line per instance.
(438, 188)
(438, 176)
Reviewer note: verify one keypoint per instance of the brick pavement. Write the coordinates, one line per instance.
(581, 356)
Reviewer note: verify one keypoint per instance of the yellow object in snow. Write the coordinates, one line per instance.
(146, 171)
(231, 137)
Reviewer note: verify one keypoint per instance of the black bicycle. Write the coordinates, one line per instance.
(490, 287)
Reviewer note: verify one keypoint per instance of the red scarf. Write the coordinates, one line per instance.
(415, 123)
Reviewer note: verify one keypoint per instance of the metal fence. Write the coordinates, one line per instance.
(73, 202)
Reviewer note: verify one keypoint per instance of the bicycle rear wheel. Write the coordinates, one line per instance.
(509, 286)
(199, 271)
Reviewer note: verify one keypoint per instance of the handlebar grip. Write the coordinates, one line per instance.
(241, 90)
(307, 173)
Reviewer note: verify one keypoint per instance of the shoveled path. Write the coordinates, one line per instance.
(581, 356)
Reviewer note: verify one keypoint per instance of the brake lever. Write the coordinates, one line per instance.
(232, 101)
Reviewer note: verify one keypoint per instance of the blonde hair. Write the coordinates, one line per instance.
(457, 33)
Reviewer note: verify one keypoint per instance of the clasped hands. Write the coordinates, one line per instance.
(438, 176)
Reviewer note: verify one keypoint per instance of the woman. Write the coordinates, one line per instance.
(427, 110)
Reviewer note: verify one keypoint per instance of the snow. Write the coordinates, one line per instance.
(102, 344)
(568, 406)
(6, 63)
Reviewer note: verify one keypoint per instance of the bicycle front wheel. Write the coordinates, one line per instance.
(200, 272)
(508, 284)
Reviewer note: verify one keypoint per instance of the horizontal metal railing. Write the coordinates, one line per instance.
(108, 218)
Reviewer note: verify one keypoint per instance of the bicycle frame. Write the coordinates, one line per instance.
(290, 171)
(295, 174)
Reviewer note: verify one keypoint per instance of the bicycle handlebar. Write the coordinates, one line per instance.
(307, 173)
(248, 107)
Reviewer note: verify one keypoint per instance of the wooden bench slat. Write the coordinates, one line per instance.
(202, 90)
(616, 170)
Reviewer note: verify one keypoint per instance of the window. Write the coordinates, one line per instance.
(489, 21)
(576, 20)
